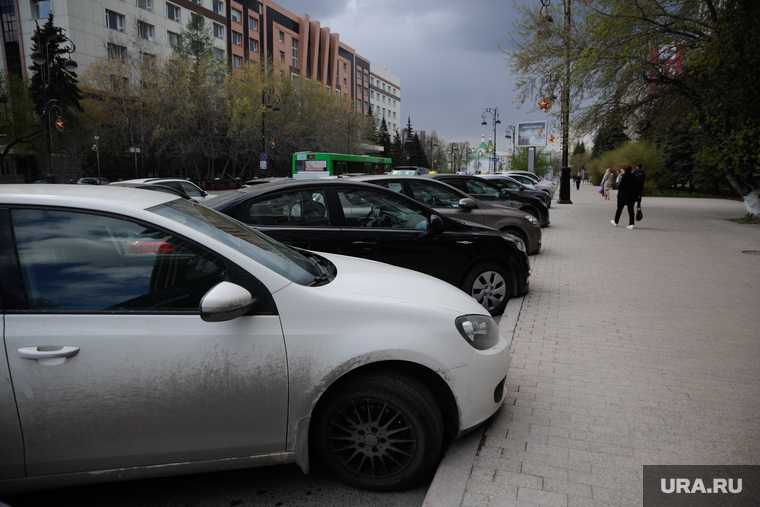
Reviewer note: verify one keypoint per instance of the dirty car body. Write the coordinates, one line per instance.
(145, 335)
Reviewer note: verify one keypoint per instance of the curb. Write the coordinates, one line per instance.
(450, 481)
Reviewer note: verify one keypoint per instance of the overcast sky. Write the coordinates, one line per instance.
(445, 52)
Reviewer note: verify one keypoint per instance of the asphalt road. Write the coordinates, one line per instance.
(274, 486)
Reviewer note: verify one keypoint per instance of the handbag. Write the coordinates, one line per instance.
(601, 189)
(639, 214)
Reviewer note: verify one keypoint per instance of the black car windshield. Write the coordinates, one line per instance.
(262, 249)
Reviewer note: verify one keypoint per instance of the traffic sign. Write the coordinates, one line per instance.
(263, 165)
(263, 157)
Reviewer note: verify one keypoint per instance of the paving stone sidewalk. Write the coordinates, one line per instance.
(632, 347)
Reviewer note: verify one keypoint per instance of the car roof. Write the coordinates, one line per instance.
(114, 199)
(151, 180)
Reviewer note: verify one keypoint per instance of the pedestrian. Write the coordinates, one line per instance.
(578, 181)
(640, 179)
(607, 183)
(628, 193)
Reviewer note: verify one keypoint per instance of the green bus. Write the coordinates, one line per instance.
(317, 165)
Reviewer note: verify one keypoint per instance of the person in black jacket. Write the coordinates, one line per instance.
(628, 194)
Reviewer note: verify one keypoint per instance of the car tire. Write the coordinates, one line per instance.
(379, 432)
(490, 284)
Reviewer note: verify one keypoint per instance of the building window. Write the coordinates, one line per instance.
(358, 75)
(253, 24)
(172, 39)
(237, 61)
(237, 39)
(217, 6)
(116, 52)
(295, 53)
(147, 59)
(236, 16)
(172, 12)
(114, 20)
(145, 31)
(197, 2)
(394, 103)
(218, 31)
(344, 67)
(282, 56)
(41, 9)
(394, 115)
(282, 36)
(219, 54)
(365, 105)
(119, 84)
(145, 4)
(383, 99)
(372, 94)
(372, 81)
(358, 90)
(253, 45)
(344, 82)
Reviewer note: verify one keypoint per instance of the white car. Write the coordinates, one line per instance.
(147, 335)
(188, 187)
(532, 180)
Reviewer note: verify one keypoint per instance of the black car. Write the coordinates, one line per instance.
(486, 190)
(358, 219)
(516, 188)
(454, 203)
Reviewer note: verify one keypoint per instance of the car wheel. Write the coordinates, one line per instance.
(381, 432)
(491, 286)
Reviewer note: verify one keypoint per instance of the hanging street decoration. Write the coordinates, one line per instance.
(551, 139)
(544, 105)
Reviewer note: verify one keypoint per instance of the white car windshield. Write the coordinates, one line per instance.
(279, 258)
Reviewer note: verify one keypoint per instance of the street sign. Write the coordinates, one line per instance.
(263, 165)
(134, 150)
(263, 157)
(494, 160)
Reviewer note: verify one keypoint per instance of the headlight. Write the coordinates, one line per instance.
(479, 331)
(511, 238)
(533, 220)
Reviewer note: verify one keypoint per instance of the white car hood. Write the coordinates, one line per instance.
(361, 277)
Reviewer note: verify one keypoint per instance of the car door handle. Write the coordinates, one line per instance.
(365, 243)
(52, 353)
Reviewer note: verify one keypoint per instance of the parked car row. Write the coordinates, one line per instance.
(146, 334)
(192, 332)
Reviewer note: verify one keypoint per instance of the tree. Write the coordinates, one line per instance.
(59, 82)
(633, 57)
(543, 162)
(609, 136)
(397, 150)
(17, 120)
(384, 138)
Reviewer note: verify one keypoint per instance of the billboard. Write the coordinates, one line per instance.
(531, 134)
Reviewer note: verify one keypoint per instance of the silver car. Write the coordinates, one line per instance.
(147, 335)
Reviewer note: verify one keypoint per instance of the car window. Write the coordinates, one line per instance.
(435, 196)
(365, 208)
(510, 184)
(74, 261)
(190, 189)
(295, 209)
(477, 187)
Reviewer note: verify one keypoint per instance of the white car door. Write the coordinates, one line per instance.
(112, 365)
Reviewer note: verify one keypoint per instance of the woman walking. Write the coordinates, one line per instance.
(607, 183)
(628, 194)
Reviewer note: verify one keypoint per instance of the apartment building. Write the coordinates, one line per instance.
(385, 96)
(242, 30)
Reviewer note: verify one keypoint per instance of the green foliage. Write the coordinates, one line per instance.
(645, 153)
(384, 138)
(53, 80)
(17, 118)
(543, 162)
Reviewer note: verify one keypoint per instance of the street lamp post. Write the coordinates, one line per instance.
(97, 151)
(495, 114)
(564, 186)
(510, 134)
(432, 153)
(271, 101)
(454, 148)
(43, 60)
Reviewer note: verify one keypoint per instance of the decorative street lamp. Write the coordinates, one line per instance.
(510, 134)
(432, 153)
(271, 101)
(564, 187)
(97, 151)
(495, 114)
(43, 60)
